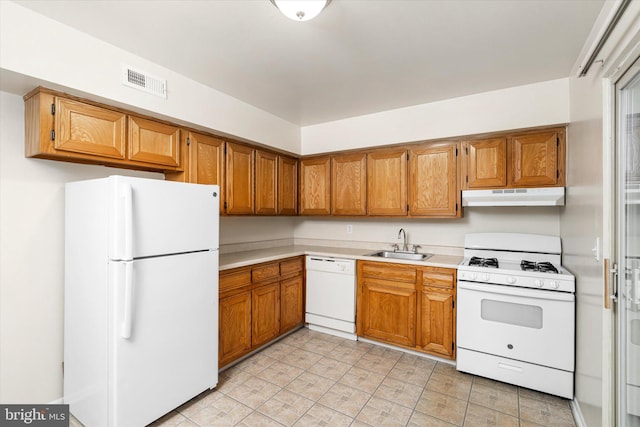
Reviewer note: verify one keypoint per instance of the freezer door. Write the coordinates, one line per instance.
(164, 344)
(151, 217)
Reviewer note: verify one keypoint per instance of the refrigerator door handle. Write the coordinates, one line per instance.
(127, 196)
(125, 328)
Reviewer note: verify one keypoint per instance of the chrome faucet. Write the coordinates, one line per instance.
(405, 246)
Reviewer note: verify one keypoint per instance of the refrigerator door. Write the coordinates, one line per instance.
(164, 339)
(153, 217)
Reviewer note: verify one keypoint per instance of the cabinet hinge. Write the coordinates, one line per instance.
(53, 135)
(453, 303)
(188, 141)
(453, 346)
(466, 178)
(557, 140)
(466, 150)
(225, 206)
(407, 208)
(53, 109)
(225, 152)
(456, 207)
(456, 152)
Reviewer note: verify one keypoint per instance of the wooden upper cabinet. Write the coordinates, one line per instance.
(315, 186)
(85, 128)
(62, 127)
(153, 142)
(287, 186)
(239, 179)
(486, 163)
(534, 159)
(266, 183)
(349, 184)
(387, 182)
(203, 162)
(433, 180)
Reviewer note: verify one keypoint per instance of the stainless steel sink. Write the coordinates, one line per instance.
(411, 256)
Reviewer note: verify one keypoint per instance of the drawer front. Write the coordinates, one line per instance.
(265, 272)
(387, 271)
(291, 266)
(233, 279)
(438, 277)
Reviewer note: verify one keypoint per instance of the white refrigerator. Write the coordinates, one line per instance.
(141, 298)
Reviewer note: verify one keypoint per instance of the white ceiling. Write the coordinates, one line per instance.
(357, 57)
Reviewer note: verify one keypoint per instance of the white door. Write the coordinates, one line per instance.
(627, 307)
(164, 340)
(154, 217)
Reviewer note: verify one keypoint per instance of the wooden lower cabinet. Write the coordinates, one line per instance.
(407, 305)
(436, 322)
(257, 304)
(234, 327)
(265, 313)
(291, 303)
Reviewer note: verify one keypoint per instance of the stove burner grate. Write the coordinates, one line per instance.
(483, 262)
(543, 267)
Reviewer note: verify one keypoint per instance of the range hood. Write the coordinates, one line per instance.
(549, 196)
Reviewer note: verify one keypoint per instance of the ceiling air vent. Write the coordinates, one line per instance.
(143, 81)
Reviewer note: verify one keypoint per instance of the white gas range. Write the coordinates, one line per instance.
(516, 311)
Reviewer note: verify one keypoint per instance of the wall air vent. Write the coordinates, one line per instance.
(140, 80)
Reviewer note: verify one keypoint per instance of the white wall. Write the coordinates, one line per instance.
(581, 223)
(442, 235)
(539, 104)
(86, 66)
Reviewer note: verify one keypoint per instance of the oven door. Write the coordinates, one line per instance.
(530, 325)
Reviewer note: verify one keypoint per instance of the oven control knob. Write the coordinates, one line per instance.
(473, 276)
(485, 277)
(554, 284)
(539, 283)
(511, 280)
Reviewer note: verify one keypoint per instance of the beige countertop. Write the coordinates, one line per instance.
(256, 256)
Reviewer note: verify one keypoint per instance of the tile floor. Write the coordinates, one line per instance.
(314, 379)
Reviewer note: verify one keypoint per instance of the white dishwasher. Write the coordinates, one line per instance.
(331, 296)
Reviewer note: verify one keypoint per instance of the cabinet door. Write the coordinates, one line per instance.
(486, 163)
(239, 168)
(433, 182)
(387, 312)
(287, 186)
(265, 302)
(84, 128)
(349, 184)
(266, 183)
(154, 142)
(387, 182)
(315, 186)
(291, 310)
(534, 159)
(437, 321)
(235, 327)
(203, 162)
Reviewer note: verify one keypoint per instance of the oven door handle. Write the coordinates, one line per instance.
(517, 292)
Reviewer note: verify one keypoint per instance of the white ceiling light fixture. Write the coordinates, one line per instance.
(300, 10)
